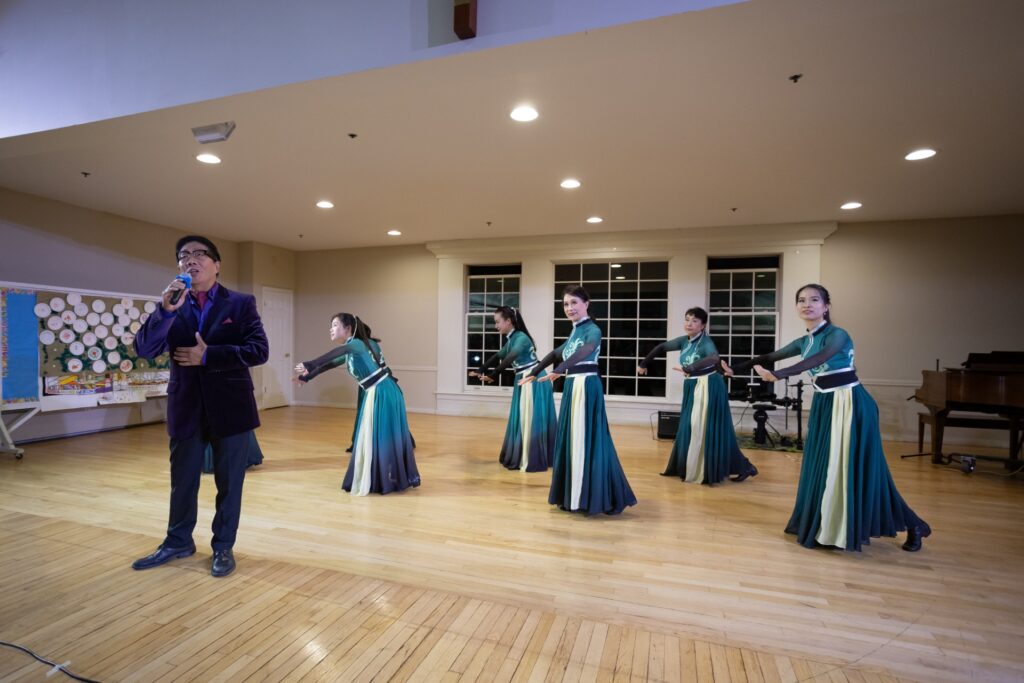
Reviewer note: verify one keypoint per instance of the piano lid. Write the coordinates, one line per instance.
(997, 361)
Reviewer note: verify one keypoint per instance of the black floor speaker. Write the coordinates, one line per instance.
(668, 424)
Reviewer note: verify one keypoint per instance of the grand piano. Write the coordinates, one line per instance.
(987, 383)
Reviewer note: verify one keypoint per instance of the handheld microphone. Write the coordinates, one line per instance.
(187, 279)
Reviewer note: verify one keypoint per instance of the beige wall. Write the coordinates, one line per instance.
(49, 243)
(908, 291)
(395, 291)
(262, 265)
(911, 292)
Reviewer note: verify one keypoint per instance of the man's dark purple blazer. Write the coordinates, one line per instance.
(222, 386)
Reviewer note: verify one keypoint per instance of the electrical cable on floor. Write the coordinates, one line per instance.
(55, 665)
(956, 464)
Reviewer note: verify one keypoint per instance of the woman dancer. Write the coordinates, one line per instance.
(530, 435)
(705, 449)
(846, 495)
(382, 460)
(586, 474)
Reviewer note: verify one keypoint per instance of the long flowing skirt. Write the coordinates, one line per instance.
(846, 495)
(586, 475)
(705, 450)
(359, 410)
(383, 458)
(529, 443)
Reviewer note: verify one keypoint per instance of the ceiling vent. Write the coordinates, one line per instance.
(216, 132)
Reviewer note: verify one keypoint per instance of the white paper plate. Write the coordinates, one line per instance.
(77, 348)
(143, 318)
(74, 365)
(127, 303)
(99, 305)
(107, 318)
(54, 323)
(57, 304)
(99, 366)
(93, 319)
(81, 310)
(135, 327)
(123, 320)
(67, 336)
(80, 326)
(126, 365)
(117, 330)
(150, 306)
(110, 343)
(42, 310)
(100, 331)
(74, 298)
(127, 339)
(94, 353)
(113, 358)
(68, 316)
(134, 313)
(46, 337)
(89, 339)
(117, 309)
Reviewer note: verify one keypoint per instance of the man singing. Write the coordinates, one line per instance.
(214, 336)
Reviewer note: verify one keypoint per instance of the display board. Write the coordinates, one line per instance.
(64, 348)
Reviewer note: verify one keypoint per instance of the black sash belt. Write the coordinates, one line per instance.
(583, 369)
(376, 378)
(705, 371)
(835, 380)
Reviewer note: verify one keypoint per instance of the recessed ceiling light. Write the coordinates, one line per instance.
(208, 158)
(524, 113)
(918, 154)
(616, 265)
(324, 204)
(620, 277)
(596, 219)
(851, 205)
(570, 183)
(394, 233)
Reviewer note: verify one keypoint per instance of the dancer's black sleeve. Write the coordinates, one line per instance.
(546, 361)
(832, 348)
(576, 357)
(670, 345)
(703, 364)
(327, 361)
(788, 351)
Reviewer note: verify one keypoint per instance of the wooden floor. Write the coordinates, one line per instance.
(474, 577)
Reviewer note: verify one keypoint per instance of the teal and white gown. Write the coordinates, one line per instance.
(586, 475)
(529, 443)
(383, 458)
(705, 450)
(846, 495)
(361, 396)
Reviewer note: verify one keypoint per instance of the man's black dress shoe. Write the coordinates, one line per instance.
(752, 472)
(163, 555)
(914, 536)
(223, 563)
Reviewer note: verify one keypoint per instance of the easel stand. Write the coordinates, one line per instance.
(6, 442)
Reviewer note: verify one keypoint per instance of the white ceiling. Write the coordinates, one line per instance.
(669, 123)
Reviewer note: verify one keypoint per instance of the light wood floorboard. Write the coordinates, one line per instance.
(473, 576)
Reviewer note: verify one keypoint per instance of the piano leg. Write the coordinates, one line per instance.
(937, 431)
(1014, 462)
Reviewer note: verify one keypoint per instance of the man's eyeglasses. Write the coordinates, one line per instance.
(198, 253)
